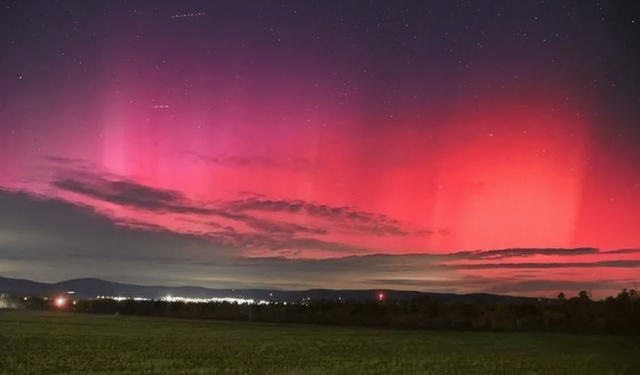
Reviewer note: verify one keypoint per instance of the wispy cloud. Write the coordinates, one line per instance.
(261, 233)
(500, 254)
(128, 193)
(524, 252)
(256, 237)
(433, 263)
(267, 225)
(273, 244)
(37, 233)
(623, 251)
(259, 203)
(352, 220)
(606, 263)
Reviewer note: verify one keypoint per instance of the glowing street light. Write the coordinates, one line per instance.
(60, 302)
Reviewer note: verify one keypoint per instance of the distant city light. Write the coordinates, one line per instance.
(240, 301)
(381, 296)
(60, 302)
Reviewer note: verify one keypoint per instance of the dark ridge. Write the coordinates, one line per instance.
(92, 287)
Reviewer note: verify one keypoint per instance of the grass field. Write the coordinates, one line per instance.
(38, 343)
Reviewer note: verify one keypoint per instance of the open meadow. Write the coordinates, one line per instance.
(45, 343)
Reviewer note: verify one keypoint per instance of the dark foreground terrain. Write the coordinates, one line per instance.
(49, 343)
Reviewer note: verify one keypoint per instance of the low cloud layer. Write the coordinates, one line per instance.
(250, 241)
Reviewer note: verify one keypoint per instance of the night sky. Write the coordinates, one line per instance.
(477, 146)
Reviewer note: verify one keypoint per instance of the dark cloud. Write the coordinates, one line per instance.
(136, 196)
(128, 194)
(623, 251)
(404, 264)
(43, 228)
(42, 236)
(272, 226)
(210, 224)
(524, 252)
(136, 258)
(354, 266)
(259, 203)
(434, 262)
(141, 225)
(274, 243)
(259, 224)
(423, 272)
(380, 230)
(607, 263)
(269, 226)
(352, 220)
(312, 243)
(50, 230)
(487, 255)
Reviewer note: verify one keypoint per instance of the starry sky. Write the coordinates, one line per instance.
(474, 146)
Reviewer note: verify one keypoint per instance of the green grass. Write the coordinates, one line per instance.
(38, 343)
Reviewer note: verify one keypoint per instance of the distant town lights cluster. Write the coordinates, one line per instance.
(187, 15)
(123, 298)
(240, 301)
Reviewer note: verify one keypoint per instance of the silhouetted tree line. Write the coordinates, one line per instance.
(580, 314)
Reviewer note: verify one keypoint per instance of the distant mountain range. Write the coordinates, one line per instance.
(90, 288)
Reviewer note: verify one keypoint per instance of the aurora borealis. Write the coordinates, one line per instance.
(480, 146)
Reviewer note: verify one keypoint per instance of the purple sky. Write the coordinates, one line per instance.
(480, 146)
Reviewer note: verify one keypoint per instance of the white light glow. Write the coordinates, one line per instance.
(240, 301)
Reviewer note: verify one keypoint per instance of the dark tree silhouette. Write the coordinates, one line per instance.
(580, 314)
(583, 295)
